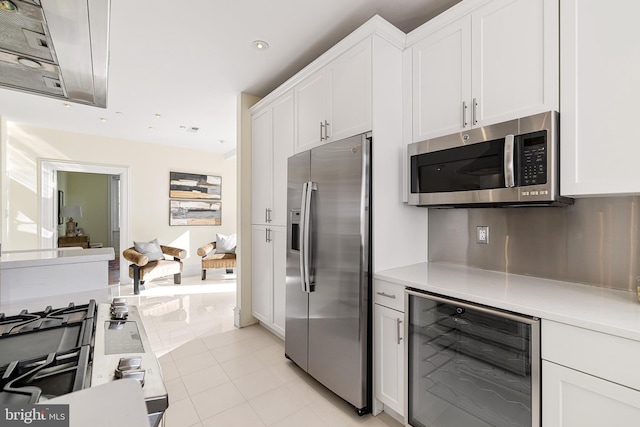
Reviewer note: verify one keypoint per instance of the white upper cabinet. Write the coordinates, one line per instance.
(600, 83)
(335, 102)
(272, 144)
(515, 57)
(483, 65)
(311, 111)
(442, 80)
(350, 88)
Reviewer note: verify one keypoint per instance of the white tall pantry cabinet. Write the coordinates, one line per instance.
(272, 144)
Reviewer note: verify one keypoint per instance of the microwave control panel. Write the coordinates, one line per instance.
(533, 159)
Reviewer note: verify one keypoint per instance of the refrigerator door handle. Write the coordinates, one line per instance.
(303, 214)
(305, 253)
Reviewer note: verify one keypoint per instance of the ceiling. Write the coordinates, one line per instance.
(174, 66)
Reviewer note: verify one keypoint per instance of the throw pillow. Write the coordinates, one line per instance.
(150, 249)
(225, 244)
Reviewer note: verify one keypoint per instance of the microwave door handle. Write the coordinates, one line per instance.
(509, 178)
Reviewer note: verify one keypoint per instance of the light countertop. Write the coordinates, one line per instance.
(118, 403)
(22, 259)
(605, 310)
(104, 295)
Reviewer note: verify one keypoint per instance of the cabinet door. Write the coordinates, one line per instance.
(574, 399)
(311, 110)
(599, 97)
(442, 81)
(279, 237)
(350, 93)
(262, 274)
(389, 357)
(282, 149)
(514, 59)
(261, 164)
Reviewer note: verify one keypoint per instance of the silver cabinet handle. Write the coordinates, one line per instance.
(267, 237)
(464, 114)
(386, 295)
(268, 215)
(322, 132)
(326, 130)
(474, 113)
(509, 179)
(398, 322)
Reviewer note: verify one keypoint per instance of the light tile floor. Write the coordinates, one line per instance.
(218, 375)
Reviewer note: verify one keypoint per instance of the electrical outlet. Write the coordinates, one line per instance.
(482, 234)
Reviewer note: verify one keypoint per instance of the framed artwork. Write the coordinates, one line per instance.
(194, 186)
(195, 212)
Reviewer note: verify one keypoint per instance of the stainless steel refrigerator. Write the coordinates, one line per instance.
(328, 287)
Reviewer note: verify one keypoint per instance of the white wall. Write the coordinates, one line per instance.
(149, 166)
(243, 316)
(90, 191)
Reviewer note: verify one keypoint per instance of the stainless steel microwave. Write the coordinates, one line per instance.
(505, 164)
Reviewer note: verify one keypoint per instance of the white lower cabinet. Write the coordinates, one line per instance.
(269, 275)
(589, 379)
(389, 364)
(388, 344)
(574, 399)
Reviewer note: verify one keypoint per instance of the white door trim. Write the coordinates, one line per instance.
(48, 184)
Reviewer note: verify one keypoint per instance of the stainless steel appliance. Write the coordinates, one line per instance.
(56, 49)
(470, 365)
(53, 352)
(328, 287)
(510, 163)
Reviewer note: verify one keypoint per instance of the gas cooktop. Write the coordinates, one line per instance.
(52, 352)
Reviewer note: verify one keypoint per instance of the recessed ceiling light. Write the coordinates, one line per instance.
(260, 45)
(29, 63)
(222, 141)
(66, 105)
(158, 115)
(183, 127)
(103, 119)
(152, 128)
(119, 112)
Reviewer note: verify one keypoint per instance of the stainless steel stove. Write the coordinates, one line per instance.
(53, 352)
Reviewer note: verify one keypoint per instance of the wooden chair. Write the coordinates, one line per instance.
(141, 269)
(210, 259)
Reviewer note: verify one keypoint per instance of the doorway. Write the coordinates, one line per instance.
(118, 212)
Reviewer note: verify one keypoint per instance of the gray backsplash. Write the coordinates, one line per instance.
(595, 241)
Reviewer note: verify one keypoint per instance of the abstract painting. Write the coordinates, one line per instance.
(194, 186)
(195, 212)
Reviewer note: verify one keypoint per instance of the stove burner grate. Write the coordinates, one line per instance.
(36, 380)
